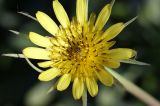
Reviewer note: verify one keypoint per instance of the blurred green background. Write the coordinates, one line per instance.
(19, 85)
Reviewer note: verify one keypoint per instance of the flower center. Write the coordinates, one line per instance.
(74, 50)
(78, 53)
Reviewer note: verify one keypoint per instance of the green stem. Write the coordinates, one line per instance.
(135, 90)
(84, 98)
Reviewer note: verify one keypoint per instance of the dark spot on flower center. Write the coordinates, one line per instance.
(76, 53)
(74, 50)
(77, 50)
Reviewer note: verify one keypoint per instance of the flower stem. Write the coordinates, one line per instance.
(84, 98)
(135, 90)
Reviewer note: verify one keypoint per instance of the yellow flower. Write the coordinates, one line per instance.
(78, 50)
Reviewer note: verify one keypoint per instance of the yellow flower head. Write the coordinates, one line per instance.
(78, 50)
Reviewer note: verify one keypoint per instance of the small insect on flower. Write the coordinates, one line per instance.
(78, 50)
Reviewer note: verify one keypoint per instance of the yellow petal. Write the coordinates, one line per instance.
(36, 53)
(92, 86)
(121, 53)
(78, 88)
(82, 11)
(112, 63)
(47, 23)
(49, 74)
(39, 40)
(110, 44)
(103, 17)
(92, 20)
(64, 82)
(105, 77)
(45, 64)
(61, 14)
(113, 31)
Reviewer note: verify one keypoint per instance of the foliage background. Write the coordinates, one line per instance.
(19, 85)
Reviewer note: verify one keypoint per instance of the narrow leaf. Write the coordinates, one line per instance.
(132, 61)
(14, 32)
(133, 89)
(27, 15)
(14, 55)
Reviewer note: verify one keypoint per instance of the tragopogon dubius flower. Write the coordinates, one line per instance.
(78, 50)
